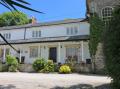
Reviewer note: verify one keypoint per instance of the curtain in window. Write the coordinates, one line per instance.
(72, 53)
(33, 52)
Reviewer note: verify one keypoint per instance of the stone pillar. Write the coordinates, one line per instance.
(39, 51)
(82, 50)
(4, 54)
(59, 52)
(20, 55)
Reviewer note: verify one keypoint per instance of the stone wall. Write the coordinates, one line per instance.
(99, 58)
(83, 68)
(99, 5)
(26, 68)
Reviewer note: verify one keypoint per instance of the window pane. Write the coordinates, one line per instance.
(76, 30)
(33, 52)
(36, 35)
(68, 32)
(72, 52)
(39, 33)
(72, 31)
(107, 13)
(33, 34)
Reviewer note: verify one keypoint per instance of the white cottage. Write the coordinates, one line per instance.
(57, 40)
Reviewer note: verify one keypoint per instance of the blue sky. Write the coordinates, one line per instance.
(55, 9)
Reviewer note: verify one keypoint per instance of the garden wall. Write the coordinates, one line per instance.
(26, 68)
(77, 68)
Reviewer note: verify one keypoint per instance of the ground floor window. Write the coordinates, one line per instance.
(34, 51)
(7, 51)
(72, 53)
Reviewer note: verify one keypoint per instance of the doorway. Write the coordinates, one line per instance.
(53, 54)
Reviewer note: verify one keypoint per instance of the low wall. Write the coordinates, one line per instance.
(85, 68)
(77, 68)
(26, 68)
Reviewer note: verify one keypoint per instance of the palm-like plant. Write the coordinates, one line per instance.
(11, 5)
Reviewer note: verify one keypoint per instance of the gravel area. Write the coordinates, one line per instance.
(52, 81)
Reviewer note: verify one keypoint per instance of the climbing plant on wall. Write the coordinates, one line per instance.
(96, 30)
(112, 48)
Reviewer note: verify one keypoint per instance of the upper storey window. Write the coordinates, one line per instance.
(36, 34)
(107, 14)
(72, 30)
(7, 36)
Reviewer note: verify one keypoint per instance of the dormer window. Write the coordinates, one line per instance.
(7, 36)
(72, 30)
(36, 34)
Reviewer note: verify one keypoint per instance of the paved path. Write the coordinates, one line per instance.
(51, 81)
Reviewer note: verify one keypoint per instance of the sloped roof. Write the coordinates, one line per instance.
(66, 21)
(48, 39)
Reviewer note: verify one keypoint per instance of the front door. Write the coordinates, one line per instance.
(53, 54)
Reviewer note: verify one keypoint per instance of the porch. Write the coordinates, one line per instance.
(59, 52)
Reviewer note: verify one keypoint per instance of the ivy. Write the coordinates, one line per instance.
(112, 48)
(96, 30)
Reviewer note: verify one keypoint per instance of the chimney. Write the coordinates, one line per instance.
(34, 20)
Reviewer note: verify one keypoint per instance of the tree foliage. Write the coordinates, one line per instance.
(13, 18)
(96, 31)
(11, 5)
(112, 48)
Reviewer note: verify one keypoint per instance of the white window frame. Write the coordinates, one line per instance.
(107, 17)
(7, 36)
(76, 49)
(73, 30)
(32, 54)
(36, 33)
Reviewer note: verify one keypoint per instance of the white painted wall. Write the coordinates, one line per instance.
(44, 50)
(86, 50)
(15, 33)
(48, 31)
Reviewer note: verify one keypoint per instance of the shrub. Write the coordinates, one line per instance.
(12, 68)
(39, 64)
(11, 61)
(64, 69)
(49, 67)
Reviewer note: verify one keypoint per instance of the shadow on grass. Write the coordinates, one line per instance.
(8, 87)
(84, 86)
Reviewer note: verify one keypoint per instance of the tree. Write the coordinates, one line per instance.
(10, 4)
(96, 32)
(13, 18)
(112, 48)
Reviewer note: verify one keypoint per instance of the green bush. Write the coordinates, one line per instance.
(12, 63)
(39, 64)
(112, 49)
(49, 67)
(64, 69)
(10, 60)
(12, 68)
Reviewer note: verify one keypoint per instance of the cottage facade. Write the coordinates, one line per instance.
(58, 41)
